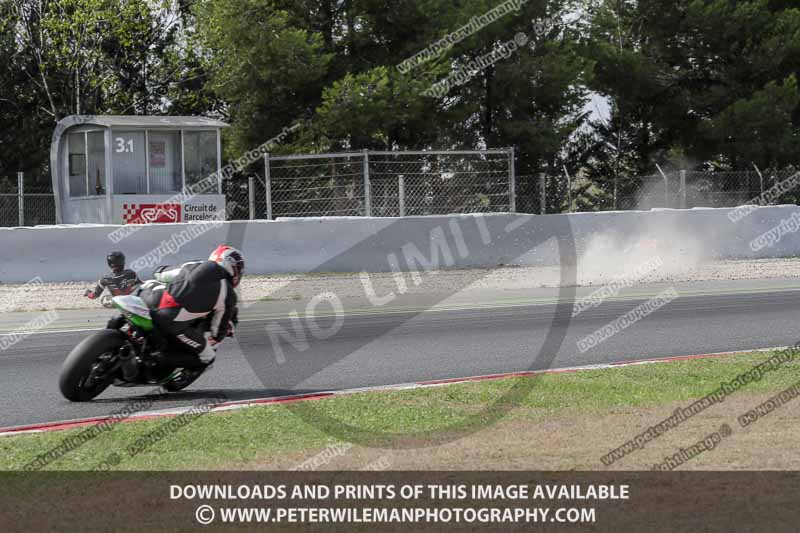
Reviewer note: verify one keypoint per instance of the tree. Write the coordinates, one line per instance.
(268, 70)
(335, 64)
(65, 57)
(686, 74)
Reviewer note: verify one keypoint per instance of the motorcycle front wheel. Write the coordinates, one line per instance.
(88, 369)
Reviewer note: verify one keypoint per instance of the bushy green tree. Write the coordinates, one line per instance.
(340, 72)
(263, 63)
(715, 78)
(63, 57)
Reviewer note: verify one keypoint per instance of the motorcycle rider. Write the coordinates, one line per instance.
(180, 296)
(119, 281)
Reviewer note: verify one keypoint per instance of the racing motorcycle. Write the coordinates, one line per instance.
(131, 356)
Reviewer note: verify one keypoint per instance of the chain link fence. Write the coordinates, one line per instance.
(675, 190)
(380, 184)
(324, 185)
(531, 194)
(25, 203)
(237, 197)
(731, 189)
(649, 192)
(390, 184)
(441, 183)
(387, 184)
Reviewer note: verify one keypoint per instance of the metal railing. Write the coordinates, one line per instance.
(379, 184)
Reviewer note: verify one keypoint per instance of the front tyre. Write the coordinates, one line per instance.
(86, 372)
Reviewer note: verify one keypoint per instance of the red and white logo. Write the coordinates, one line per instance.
(151, 213)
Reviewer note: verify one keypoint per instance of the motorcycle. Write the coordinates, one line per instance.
(131, 356)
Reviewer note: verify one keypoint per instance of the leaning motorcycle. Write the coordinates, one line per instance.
(131, 356)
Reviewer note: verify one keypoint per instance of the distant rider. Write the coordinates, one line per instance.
(119, 281)
(181, 295)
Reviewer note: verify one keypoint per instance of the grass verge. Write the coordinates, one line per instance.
(251, 436)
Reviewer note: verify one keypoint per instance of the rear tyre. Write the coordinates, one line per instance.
(82, 377)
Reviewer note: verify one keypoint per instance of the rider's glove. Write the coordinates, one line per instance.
(211, 340)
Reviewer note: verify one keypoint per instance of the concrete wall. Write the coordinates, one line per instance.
(77, 253)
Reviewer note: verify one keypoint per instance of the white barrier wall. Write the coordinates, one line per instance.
(77, 253)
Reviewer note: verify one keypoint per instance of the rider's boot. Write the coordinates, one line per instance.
(208, 354)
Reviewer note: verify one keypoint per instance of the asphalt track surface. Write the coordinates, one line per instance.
(479, 334)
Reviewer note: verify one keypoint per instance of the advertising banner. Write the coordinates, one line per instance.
(155, 209)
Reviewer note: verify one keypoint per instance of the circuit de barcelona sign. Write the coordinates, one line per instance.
(144, 210)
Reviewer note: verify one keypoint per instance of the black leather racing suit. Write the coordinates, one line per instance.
(181, 296)
(117, 283)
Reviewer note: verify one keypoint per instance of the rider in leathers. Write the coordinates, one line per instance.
(119, 281)
(194, 305)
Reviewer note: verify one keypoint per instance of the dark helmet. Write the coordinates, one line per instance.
(116, 260)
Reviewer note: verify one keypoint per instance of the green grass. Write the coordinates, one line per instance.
(248, 435)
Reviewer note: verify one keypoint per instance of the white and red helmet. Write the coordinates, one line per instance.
(231, 260)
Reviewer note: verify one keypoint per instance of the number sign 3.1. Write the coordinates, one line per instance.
(124, 145)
